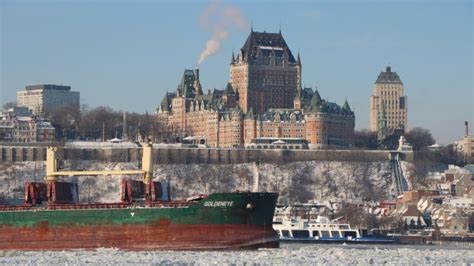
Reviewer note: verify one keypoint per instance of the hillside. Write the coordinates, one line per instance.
(296, 182)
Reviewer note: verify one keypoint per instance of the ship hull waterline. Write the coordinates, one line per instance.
(173, 237)
(206, 225)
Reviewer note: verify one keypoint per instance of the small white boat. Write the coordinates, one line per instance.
(294, 225)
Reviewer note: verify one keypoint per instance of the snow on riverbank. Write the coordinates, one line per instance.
(286, 255)
(296, 182)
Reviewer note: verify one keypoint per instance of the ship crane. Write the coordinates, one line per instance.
(52, 171)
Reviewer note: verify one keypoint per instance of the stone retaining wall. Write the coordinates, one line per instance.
(196, 156)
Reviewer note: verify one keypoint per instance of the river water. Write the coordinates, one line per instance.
(288, 254)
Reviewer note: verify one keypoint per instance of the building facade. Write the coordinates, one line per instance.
(265, 74)
(388, 104)
(217, 120)
(25, 129)
(262, 102)
(212, 118)
(320, 123)
(465, 146)
(43, 99)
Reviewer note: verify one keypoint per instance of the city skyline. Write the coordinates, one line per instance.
(106, 50)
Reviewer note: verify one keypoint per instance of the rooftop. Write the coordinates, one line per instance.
(388, 76)
(48, 87)
(266, 43)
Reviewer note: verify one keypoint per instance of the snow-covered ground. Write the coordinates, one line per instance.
(296, 182)
(286, 255)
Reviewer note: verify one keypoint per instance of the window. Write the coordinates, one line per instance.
(300, 233)
(325, 233)
(349, 233)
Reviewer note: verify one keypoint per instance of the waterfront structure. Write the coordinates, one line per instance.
(263, 100)
(45, 98)
(265, 74)
(465, 146)
(388, 104)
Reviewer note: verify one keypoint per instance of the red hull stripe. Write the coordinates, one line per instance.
(138, 237)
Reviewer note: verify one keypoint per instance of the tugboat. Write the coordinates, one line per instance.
(52, 218)
(300, 224)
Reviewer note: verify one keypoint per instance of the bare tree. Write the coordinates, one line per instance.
(65, 120)
(93, 121)
(419, 138)
(8, 105)
(365, 139)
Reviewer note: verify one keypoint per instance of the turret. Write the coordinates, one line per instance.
(297, 100)
(346, 107)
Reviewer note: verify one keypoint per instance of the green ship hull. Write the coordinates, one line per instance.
(220, 221)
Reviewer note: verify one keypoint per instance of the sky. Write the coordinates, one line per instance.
(126, 54)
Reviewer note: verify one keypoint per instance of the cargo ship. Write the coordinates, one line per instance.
(51, 217)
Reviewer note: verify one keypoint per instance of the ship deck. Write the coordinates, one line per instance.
(88, 206)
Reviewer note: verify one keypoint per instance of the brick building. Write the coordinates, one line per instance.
(323, 124)
(265, 74)
(263, 99)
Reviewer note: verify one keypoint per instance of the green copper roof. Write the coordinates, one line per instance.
(283, 115)
(166, 101)
(229, 90)
(185, 87)
(316, 99)
(250, 114)
(316, 103)
(346, 107)
(388, 77)
(257, 40)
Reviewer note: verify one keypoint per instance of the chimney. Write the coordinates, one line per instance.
(466, 128)
(197, 84)
(389, 69)
(196, 73)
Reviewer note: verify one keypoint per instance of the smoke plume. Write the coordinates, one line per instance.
(220, 19)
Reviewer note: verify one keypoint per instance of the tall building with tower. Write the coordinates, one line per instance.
(263, 106)
(265, 74)
(388, 104)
